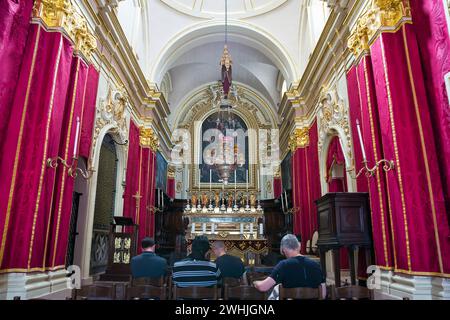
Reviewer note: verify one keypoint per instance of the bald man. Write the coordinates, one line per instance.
(229, 266)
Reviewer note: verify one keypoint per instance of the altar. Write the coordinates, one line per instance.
(242, 231)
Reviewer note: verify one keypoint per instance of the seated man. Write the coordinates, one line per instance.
(196, 270)
(148, 264)
(296, 271)
(229, 266)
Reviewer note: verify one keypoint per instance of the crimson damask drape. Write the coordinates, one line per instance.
(409, 217)
(36, 200)
(306, 187)
(140, 185)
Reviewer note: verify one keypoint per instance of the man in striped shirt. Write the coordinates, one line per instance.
(196, 270)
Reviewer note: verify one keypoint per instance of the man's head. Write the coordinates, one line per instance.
(148, 244)
(200, 247)
(290, 246)
(218, 248)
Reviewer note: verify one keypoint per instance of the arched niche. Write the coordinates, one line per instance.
(333, 121)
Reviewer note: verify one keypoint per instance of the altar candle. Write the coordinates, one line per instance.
(204, 228)
(187, 183)
(246, 178)
(235, 181)
(257, 177)
(77, 133)
(210, 180)
(361, 140)
(242, 228)
(286, 203)
(251, 227)
(213, 227)
(261, 229)
(193, 227)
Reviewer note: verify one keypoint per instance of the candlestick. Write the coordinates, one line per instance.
(77, 133)
(361, 141)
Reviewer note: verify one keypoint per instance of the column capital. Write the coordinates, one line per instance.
(61, 15)
(381, 16)
(299, 138)
(148, 138)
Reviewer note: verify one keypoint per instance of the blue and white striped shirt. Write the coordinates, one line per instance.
(195, 273)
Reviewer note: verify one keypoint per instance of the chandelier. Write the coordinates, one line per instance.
(227, 160)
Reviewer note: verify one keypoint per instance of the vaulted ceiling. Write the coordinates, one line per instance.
(179, 42)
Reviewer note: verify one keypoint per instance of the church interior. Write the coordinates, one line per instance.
(239, 120)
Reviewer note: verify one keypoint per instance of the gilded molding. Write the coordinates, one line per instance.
(61, 15)
(299, 139)
(382, 16)
(171, 172)
(112, 112)
(148, 138)
(277, 172)
(333, 117)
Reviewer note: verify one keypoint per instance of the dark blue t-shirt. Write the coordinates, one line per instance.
(298, 272)
(148, 265)
(230, 266)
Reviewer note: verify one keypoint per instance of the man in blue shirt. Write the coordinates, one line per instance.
(148, 264)
(296, 271)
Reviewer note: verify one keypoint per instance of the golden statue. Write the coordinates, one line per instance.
(204, 199)
(243, 200)
(216, 199)
(230, 199)
(252, 200)
(194, 199)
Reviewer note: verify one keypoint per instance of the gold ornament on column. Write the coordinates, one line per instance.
(382, 16)
(62, 16)
(148, 139)
(299, 139)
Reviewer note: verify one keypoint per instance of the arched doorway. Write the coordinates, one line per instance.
(78, 217)
(104, 205)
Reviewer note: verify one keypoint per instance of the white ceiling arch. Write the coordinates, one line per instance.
(213, 31)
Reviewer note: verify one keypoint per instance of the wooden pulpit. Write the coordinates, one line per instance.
(122, 247)
(344, 222)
